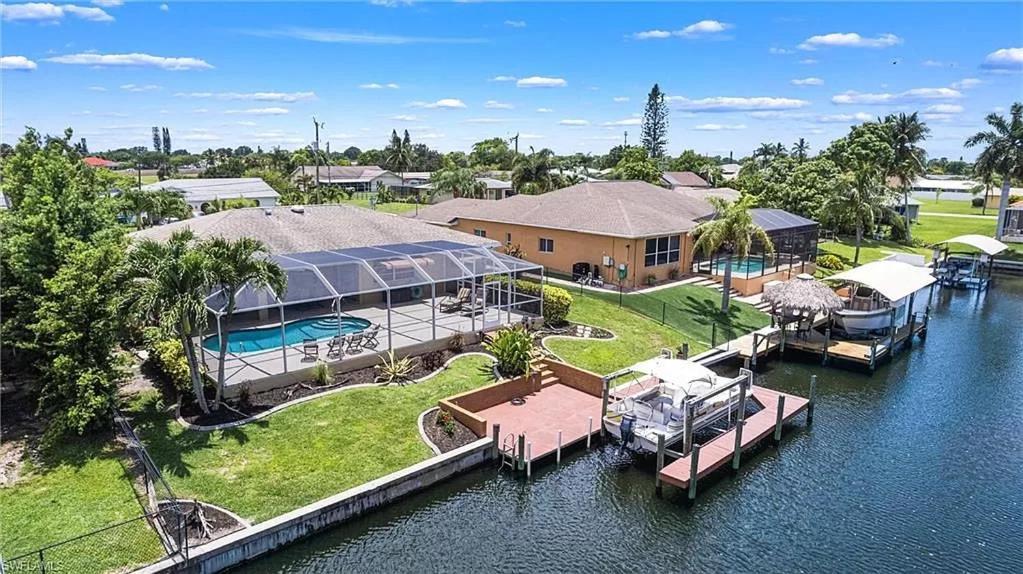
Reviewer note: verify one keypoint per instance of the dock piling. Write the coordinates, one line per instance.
(605, 395)
(780, 419)
(559, 446)
(827, 343)
(660, 463)
(497, 440)
(589, 432)
(740, 420)
(813, 400)
(529, 460)
(522, 452)
(694, 471)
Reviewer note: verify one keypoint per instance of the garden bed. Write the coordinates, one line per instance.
(255, 403)
(459, 437)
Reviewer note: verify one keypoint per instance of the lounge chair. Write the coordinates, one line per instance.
(310, 349)
(336, 347)
(354, 344)
(452, 304)
(369, 337)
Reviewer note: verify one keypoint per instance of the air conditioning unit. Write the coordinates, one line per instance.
(609, 261)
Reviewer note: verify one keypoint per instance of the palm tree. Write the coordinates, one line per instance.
(400, 154)
(859, 202)
(799, 149)
(459, 182)
(987, 181)
(733, 231)
(135, 202)
(233, 265)
(532, 174)
(1003, 154)
(909, 159)
(170, 283)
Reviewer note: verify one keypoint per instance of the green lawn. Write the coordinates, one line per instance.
(691, 310)
(77, 488)
(147, 179)
(952, 206)
(303, 453)
(384, 207)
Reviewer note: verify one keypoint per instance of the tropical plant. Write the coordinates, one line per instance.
(459, 182)
(858, 202)
(799, 150)
(532, 174)
(233, 264)
(321, 374)
(908, 159)
(170, 283)
(399, 154)
(395, 371)
(1002, 154)
(733, 232)
(829, 261)
(635, 165)
(513, 349)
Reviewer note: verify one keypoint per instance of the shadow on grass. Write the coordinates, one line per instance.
(707, 313)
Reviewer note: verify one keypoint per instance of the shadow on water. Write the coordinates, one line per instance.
(914, 467)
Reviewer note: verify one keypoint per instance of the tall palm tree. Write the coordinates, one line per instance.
(399, 154)
(459, 182)
(799, 149)
(169, 285)
(533, 173)
(987, 181)
(1003, 154)
(733, 231)
(135, 202)
(233, 265)
(908, 161)
(859, 201)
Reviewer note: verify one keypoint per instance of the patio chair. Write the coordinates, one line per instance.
(335, 347)
(803, 328)
(310, 349)
(369, 337)
(452, 304)
(354, 344)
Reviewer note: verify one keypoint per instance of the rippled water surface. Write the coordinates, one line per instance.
(916, 468)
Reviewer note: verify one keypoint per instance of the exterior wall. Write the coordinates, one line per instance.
(572, 247)
(755, 285)
(390, 180)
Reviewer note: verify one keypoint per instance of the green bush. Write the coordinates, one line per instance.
(169, 358)
(830, 261)
(977, 202)
(321, 373)
(513, 349)
(556, 301)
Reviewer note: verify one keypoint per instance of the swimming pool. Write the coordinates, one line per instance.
(744, 266)
(265, 338)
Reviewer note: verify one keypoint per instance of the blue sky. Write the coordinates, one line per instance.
(569, 76)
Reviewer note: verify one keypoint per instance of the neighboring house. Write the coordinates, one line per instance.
(360, 178)
(677, 179)
(941, 185)
(899, 206)
(598, 227)
(1013, 230)
(200, 192)
(726, 193)
(94, 161)
(496, 188)
(993, 196)
(730, 171)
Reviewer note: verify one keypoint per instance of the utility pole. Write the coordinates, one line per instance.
(316, 152)
(329, 182)
(626, 139)
(516, 138)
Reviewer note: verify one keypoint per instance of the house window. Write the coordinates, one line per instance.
(480, 232)
(661, 250)
(546, 245)
(507, 238)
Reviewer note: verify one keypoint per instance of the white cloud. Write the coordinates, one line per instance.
(531, 136)
(515, 23)
(808, 61)
(1004, 60)
(541, 82)
(849, 40)
(701, 29)
(807, 82)
(164, 8)
(719, 127)
(778, 115)
(405, 118)
(376, 86)
(944, 109)
(134, 59)
(780, 51)
(620, 99)
(914, 95)
(625, 122)
(140, 88)
(544, 110)
(246, 124)
(96, 89)
(198, 136)
(496, 105)
(17, 63)
(734, 104)
(339, 37)
(445, 103)
(205, 111)
(844, 118)
(283, 97)
(46, 12)
(429, 136)
(966, 83)
(108, 3)
(652, 35)
(486, 120)
(934, 64)
(574, 123)
(260, 111)
(391, 3)
(503, 79)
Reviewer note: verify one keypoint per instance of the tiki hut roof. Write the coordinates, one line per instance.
(804, 293)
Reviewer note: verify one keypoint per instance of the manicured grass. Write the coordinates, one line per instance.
(384, 207)
(147, 179)
(80, 486)
(306, 452)
(952, 206)
(870, 250)
(640, 335)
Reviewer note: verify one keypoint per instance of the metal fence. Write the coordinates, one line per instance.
(125, 545)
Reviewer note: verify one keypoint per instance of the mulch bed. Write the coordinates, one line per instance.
(219, 522)
(445, 442)
(265, 400)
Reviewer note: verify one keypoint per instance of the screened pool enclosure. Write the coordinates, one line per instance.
(795, 245)
(357, 301)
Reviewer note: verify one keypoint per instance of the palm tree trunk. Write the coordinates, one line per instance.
(193, 371)
(859, 238)
(1003, 205)
(225, 328)
(905, 211)
(727, 285)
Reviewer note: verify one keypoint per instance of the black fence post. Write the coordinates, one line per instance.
(42, 563)
(713, 335)
(664, 308)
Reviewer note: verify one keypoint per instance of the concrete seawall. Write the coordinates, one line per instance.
(263, 538)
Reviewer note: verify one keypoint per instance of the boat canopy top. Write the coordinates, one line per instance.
(687, 376)
(986, 244)
(893, 279)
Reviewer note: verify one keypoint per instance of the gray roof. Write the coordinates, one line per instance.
(493, 183)
(196, 189)
(319, 227)
(349, 173)
(725, 193)
(777, 219)
(684, 178)
(616, 208)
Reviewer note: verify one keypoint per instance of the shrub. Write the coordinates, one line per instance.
(456, 343)
(385, 195)
(557, 302)
(651, 280)
(830, 261)
(673, 273)
(394, 370)
(321, 373)
(447, 422)
(977, 202)
(432, 361)
(169, 358)
(513, 349)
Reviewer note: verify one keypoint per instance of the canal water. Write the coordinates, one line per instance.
(918, 467)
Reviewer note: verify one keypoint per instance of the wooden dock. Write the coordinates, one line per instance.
(864, 352)
(721, 449)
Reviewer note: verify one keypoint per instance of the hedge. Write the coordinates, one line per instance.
(170, 358)
(830, 261)
(556, 301)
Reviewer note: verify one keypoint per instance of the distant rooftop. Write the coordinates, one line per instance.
(684, 178)
(342, 173)
(198, 190)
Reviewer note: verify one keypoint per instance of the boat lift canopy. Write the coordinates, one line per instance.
(893, 279)
(692, 377)
(986, 244)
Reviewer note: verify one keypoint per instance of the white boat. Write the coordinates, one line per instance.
(674, 390)
(855, 322)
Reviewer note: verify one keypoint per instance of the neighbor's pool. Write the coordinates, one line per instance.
(265, 338)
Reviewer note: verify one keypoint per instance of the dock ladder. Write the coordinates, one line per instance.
(508, 452)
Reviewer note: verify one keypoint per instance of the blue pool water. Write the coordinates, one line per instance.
(746, 266)
(265, 338)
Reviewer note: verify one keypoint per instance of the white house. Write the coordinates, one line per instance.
(200, 192)
(360, 178)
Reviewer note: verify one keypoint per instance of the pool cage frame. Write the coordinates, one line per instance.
(333, 275)
(785, 254)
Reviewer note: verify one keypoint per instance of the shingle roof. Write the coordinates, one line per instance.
(342, 172)
(197, 190)
(725, 193)
(320, 227)
(617, 208)
(684, 178)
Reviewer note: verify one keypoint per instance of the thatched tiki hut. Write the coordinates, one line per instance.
(801, 299)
